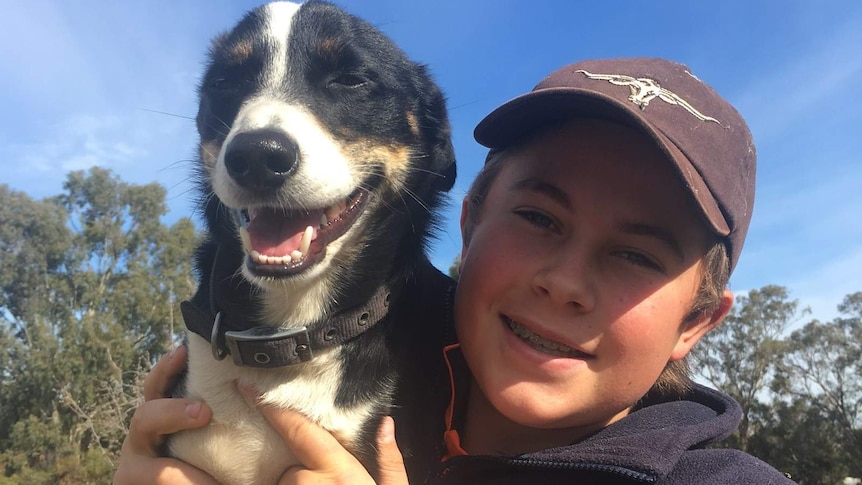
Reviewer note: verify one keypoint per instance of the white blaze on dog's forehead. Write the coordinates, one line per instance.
(279, 17)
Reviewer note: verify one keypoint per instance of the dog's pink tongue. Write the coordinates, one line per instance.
(274, 233)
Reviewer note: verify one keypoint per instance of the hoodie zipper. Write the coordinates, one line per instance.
(526, 462)
(598, 467)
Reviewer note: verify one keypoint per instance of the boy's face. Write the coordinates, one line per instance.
(577, 276)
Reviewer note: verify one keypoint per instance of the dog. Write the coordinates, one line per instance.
(324, 156)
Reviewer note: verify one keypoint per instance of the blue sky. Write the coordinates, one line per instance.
(79, 82)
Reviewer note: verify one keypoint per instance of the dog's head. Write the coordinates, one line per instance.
(319, 139)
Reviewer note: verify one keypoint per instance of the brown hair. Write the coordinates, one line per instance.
(675, 378)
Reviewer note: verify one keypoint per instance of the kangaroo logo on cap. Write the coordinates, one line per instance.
(643, 90)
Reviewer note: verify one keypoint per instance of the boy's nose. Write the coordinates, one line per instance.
(566, 281)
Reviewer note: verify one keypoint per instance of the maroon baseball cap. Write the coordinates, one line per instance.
(701, 133)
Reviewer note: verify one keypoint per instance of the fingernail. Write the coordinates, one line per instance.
(193, 410)
(172, 353)
(387, 430)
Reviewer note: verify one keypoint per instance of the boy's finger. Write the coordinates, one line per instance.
(156, 419)
(392, 471)
(313, 446)
(162, 376)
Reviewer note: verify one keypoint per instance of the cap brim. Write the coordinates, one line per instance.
(524, 115)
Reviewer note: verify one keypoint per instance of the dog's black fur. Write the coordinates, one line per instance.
(288, 90)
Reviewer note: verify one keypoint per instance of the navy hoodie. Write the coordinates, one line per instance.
(660, 443)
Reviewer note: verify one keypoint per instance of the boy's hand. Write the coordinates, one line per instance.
(158, 417)
(324, 460)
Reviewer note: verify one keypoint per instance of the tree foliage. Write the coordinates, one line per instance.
(822, 365)
(801, 393)
(88, 285)
(737, 357)
(798, 438)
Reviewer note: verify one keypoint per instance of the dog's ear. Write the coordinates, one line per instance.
(436, 117)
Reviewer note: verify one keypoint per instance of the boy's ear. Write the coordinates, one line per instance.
(697, 328)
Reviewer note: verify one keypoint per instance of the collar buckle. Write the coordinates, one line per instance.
(267, 346)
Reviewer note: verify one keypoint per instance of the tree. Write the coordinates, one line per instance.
(739, 355)
(88, 284)
(823, 366)
(455, 267)
(799, 438)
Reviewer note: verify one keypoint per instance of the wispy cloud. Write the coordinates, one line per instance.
(79, 142)
(775, 102)
(826, 287)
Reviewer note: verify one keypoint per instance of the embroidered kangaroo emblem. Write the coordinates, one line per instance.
(643, 90)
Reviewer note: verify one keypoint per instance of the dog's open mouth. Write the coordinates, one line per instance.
(280, 242)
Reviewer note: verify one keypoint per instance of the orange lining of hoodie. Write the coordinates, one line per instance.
(450, 436)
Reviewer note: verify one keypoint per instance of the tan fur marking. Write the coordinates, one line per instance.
(241, 51)
(395, 159)
(329, 47)
(413, 123)
(209, 154)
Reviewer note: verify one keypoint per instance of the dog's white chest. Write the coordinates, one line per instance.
(239, 446)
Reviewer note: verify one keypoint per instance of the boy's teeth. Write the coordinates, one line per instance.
(537, 340)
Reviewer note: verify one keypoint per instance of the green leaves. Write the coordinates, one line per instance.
(799, 385)
(89, 284)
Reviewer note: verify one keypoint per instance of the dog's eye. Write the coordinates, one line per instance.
(221, 84)
(348, 80)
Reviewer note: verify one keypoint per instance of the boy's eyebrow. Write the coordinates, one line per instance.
(534, 184)
(659, 233)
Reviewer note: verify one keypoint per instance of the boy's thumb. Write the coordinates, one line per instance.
(392, 471)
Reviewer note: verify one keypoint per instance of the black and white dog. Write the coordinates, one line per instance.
(324, 152)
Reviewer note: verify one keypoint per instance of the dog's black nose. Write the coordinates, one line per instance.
(261, 160)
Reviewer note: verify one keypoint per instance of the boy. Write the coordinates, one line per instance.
(597, 245)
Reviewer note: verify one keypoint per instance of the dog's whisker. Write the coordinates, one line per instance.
(167, 114)
(407, 208)
(417, 199)
(424, 170)
(223, 124)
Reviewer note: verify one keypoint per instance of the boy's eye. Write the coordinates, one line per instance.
(640, 259)
(536, 218)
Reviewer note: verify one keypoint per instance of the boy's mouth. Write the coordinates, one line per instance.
(542, 344)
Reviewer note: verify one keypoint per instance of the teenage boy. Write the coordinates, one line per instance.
(598, 241)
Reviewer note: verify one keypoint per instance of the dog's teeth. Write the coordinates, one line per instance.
(323, 220)
(263, 259)
(296, 255)
(332, 212)
(305, 243)
(243, 235)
